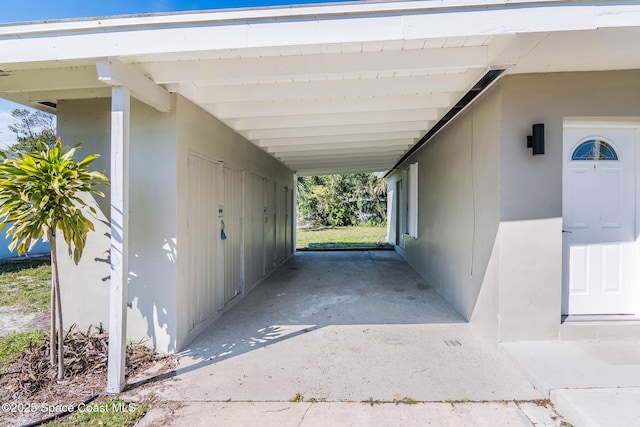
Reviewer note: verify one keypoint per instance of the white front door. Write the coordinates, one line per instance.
(599, 220)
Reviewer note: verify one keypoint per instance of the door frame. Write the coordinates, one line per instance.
(608, 123)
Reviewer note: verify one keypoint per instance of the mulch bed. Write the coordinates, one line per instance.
(31, 380)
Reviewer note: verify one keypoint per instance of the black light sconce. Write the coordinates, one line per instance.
(536, 141)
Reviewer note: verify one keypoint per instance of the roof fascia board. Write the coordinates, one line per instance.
(20, 47)
(247, 14)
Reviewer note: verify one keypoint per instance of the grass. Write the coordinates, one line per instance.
(397, 401)
(26, 283)
(341, 237)
(15, 344)
(297, 398)
(104, 412)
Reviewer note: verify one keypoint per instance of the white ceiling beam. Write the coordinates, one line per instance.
(346, 164)
(49, 79)
(399, 144)
(304, 132)
(506, 51)
(343, 167)
(114, 73)
(58, 95)
(290, 68)
(332, 156)
(341, 139)
(342, 170)
(323, 89)
(23, 99)
(350, 105)
(291, 151)
(337, 154)
(336, 119)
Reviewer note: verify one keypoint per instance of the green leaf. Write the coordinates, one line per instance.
(40, 189)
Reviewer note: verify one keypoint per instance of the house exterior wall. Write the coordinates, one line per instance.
(459, 210)
(152, 268)
(531, 195)
(39, 248)
(199, 132)
(159, 253)
(500, 263)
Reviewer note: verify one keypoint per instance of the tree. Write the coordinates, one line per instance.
(31, 127)
(39, 195)
(342, 200)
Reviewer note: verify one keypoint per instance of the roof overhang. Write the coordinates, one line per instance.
(334, 88)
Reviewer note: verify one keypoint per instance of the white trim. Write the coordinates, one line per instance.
(245, 14)
(412, 201)
(119, 254)
(304, 26)
(115, 73)
(626, 123)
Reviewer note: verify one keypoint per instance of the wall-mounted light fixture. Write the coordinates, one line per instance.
(536, 141)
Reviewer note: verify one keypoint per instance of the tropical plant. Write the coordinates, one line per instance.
(39, 195)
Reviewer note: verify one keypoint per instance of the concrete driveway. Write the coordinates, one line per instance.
(344, 327)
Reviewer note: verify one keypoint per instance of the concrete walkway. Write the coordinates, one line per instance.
(592, 383)
(359, 339)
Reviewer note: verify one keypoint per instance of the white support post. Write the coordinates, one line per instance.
(120, 116)
(295, 210)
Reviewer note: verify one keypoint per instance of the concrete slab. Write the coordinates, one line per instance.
(610, 407)
(591, 383)
(553, 365)
(345, 326)
(344, 414)
(362, 338)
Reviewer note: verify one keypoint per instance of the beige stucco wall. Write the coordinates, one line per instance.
(514, 290)
(199, 132)
(531, 208)
(152, 269)
(158, 212)
(459, 209)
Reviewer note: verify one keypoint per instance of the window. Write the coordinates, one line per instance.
(594, 149)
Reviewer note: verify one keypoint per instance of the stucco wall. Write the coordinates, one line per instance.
(159, 255)
(531, 208)
(490, 230)
(152, 275)
(459, 210)
(199, 132)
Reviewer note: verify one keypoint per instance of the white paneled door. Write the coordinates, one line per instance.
(255, 244)
(203, 232)
(599, 219)
(230, 212)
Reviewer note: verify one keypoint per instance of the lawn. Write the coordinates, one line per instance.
(26, 283)
(341, 237)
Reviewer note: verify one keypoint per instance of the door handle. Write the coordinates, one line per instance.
(567, 231)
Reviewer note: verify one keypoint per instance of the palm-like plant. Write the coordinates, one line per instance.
(39, 194)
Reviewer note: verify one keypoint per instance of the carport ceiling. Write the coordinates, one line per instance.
(335, 88)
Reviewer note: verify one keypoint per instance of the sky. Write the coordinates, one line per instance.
(40, 10)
